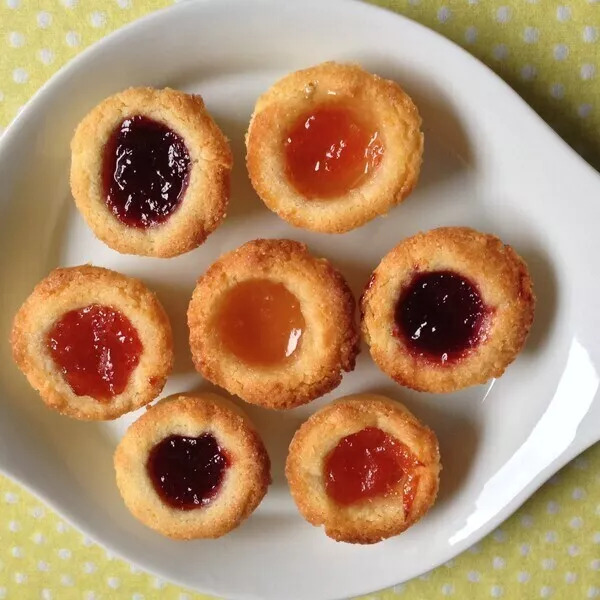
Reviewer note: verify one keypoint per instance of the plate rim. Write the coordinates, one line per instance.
(183, 6)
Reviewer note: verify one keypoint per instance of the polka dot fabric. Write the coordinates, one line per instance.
(549, 549)
(549, 51)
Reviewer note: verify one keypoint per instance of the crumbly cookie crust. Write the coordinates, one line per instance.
(72, 288)
(329, 342)
(504, 285)
(244, 485)
(204, 204)
(391, 109)
(376, 519)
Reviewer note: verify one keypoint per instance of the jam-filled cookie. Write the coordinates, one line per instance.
(447, 309)
(364, 468)
(192, 466)
(150, 172)
(272, 324)
(94, 343)
(333, 146)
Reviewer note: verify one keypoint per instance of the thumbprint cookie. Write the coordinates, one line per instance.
(447, 309)
(364, 468)
(192, 466)
(333, 146)
(94, 343)
(272, 324)
(150, 172)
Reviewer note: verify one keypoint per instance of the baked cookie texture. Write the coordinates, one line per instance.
(67, 289)
(205, 199)
(372, 520)
(503, 282)
(392, 112)
(330, 341)
(245, 482)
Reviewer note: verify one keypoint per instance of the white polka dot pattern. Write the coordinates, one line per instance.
(550, 52)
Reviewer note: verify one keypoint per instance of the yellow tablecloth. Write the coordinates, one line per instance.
(549, 51)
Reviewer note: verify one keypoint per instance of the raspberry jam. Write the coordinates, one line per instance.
(260, 321)
(441, 316)
(145, 172)
(370, 464)
(331, 150)
(187, 472)
(96, 348)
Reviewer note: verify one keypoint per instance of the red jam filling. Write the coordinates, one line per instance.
(331, 150)
(96, 348)
(260, 321)
(187, 472)
(370, 464)
(441, 316)
(145, 172)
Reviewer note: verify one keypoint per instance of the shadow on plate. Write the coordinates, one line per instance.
(546, 290)
(355, 272)
(243, 201)
(175, 299)
(457, 434)
(439, 118)
(276, 428)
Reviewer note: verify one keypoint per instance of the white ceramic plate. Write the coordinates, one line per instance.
(490, 163)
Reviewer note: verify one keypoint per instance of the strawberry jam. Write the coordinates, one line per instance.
(331, 150)
(96, 348)
(260, 321)
(145, 172)
(187, 472)
(441, 316)
(370, 464)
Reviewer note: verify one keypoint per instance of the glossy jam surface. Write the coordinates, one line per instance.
(440, 315)
(96, 348)
(370, 464)
(187, 472)
(145, 172)
(330, 151)
(260, 321)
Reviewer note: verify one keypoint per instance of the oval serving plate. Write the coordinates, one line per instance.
(490, 163)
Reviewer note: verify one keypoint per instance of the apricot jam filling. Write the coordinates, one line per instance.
(370, 464)
(96, 348)
(330, 150)
(260, 322)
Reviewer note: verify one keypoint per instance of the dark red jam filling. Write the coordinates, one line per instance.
(370, 464)
(441, 316)
(187, 472)
(96, 348)
(145, 172)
